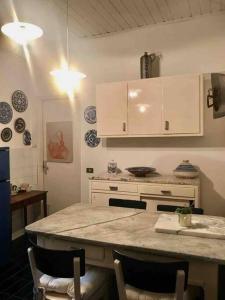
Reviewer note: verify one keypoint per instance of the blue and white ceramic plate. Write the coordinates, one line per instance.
(6, 134)
(19, 125)
(19, 101)
(6, 113)
(91, 138)
(27, 137)
(90, 114)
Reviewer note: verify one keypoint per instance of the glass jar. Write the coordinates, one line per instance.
(112, 167)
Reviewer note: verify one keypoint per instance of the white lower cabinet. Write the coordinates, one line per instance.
(103, 198)
(152, 203)
(100, 191)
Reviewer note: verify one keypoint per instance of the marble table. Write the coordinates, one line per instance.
(100, 229)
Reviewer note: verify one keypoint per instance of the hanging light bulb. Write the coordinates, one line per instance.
(66, 78)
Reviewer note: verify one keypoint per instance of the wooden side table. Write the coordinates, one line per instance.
(22, 200)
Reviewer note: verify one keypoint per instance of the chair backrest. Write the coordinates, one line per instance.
(58, 263)
(127, 203)
(172, 208)
(153, 276)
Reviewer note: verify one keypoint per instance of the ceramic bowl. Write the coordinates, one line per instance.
(140, 171)
(186, 170)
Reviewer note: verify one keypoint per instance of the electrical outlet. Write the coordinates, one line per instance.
(89, 170)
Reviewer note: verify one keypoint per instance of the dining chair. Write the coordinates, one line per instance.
(127, 203)
(172, 208)
(150, 279)
(61, 275)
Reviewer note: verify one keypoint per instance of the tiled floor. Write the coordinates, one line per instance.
(15, 279)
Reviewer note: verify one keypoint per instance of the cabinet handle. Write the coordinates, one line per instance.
(124, 126)
(165, 192)
(167, 125)
(113, 188)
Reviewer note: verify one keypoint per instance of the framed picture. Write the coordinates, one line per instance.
(59, 142)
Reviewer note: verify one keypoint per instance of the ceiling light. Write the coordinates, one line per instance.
(22, 33)
(66, 78)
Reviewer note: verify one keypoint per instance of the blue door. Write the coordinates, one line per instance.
(4, 164)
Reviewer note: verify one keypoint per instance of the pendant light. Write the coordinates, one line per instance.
(66, 78)
(22, 33)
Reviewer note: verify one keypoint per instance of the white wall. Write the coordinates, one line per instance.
(25, 161)
(188, 47)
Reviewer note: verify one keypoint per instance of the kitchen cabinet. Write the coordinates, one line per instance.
(145, 106)
(101, 190)
(181, 104)
(111, 101)
(163, 106)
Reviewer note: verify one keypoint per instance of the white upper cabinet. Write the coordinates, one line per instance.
(181, 104)
(111, 102)
(163, 106)
(145, 107)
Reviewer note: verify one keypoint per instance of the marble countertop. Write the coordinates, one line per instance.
(151, 178)
(128, 228)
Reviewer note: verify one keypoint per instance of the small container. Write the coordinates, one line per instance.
(112, 167)
(184, 220)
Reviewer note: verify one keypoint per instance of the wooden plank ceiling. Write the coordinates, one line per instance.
(93, 18)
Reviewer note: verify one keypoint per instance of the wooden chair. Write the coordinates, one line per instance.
(67, 266)
(144, 279)
(172, 208)
(127, 203)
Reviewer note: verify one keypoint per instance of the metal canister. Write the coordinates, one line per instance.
(149, 65)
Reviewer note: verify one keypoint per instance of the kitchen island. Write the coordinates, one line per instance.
(100, 229)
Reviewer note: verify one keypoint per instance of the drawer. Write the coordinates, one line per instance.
(152, 204)
(91, 252)
(168, 190)
(102, 199)
(114, 186)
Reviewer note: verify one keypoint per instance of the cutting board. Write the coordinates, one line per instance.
(202, 226)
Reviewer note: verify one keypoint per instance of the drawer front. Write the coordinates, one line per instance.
(102, 199)
(115, 187)
(167, 190)
(91, 252)
(152, 204)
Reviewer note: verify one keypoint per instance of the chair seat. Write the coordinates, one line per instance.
(63, 288)
(137, 294)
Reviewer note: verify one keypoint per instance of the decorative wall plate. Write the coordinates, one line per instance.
(19, 101)
(19, 125)
(90, 114)
(6, 134)
(91, 138)
(27, 137)
(6, 113)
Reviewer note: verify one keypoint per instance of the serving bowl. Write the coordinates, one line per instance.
(140, 171)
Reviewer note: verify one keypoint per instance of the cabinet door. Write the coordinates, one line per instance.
(102, 199)
(111, 99)
(181, 104)
(152, 204)
(145, 107)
